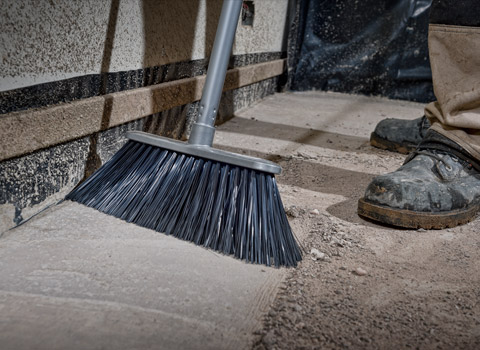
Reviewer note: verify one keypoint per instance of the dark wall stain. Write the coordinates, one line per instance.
(91, 85)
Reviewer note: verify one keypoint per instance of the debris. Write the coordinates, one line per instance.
(269, 339)
(305, 156)
(360, 272)
(297, 307)
(314, 212)
(292, 211)
(317, 255)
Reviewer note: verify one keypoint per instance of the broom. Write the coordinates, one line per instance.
(221, 200)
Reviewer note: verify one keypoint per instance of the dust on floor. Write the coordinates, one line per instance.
(360, 285)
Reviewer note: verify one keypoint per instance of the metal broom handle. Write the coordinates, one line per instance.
(203, 129)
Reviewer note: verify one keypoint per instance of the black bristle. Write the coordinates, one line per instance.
(233, 210)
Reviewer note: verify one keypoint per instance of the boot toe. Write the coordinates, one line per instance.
(413, 187)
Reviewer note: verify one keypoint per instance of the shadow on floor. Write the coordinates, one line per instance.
(318, 138)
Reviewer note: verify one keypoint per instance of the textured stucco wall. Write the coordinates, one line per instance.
(43, 41)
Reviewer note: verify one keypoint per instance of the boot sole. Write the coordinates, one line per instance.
(380, 142)
(413, 219)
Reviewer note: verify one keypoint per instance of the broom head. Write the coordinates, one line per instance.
(220, 200)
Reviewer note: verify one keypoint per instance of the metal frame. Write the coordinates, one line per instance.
(205, 152)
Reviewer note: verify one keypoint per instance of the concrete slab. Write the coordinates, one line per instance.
(329, 129)
(73, 278)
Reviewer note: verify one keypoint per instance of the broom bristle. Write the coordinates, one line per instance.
(234, 210)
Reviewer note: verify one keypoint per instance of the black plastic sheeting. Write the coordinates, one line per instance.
(368, 47)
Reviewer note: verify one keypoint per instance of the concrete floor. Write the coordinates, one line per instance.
(73, 278)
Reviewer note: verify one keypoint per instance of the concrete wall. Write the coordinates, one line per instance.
(43, 41)
(61, 55)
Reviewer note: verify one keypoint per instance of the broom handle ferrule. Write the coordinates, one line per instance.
(203, 129)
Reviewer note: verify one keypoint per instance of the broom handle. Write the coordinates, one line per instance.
(203, 129)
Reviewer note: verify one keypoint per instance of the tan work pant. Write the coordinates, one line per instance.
(455, 61)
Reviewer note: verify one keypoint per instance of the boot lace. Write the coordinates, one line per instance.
(436, 156)
(440, 157)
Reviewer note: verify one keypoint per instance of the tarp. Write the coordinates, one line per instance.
(363, 46)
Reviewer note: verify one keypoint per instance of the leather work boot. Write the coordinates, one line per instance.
(438, 186)
(399, 135)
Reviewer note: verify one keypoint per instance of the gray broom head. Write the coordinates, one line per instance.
(226, 207)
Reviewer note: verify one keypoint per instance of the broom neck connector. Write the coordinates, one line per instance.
(201, 135)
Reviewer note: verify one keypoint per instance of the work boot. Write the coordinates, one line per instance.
(399, 135)
(438, 186)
